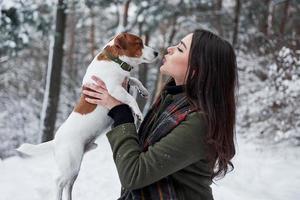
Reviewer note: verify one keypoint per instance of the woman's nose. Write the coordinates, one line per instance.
(169, 50)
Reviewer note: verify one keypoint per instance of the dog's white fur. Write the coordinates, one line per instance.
(78, 133)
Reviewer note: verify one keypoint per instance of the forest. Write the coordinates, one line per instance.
(46, 46)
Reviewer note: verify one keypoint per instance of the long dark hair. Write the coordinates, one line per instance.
(211, 83)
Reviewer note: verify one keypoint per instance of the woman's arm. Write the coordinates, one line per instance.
(180, 148)
(183, 146)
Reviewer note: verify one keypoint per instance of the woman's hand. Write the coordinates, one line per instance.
(99, 94)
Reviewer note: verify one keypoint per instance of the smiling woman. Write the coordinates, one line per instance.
(187, 137)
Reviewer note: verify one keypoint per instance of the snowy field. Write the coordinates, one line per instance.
(261, 173)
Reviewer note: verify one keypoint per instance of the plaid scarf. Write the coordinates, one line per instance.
(152, 131)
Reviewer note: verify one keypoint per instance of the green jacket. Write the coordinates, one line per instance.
(181, 154)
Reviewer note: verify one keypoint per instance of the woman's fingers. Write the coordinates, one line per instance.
(99, 81)
(92, 94)
(93, 101)
(125, 83)
(96, 93)
(96, 88)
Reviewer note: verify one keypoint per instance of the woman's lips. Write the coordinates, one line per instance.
(164, 60)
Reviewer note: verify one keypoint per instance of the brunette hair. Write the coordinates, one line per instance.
(211, 83)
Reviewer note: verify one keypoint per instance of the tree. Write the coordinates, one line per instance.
(125, 15)
(270, 18)
(143, 71)
(51, 97)
(236, 22)
(17, 20)
(284, 17)
(263, 22)
(217, 12)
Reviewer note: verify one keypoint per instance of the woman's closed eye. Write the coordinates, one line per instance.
(179, 46)
(179, 49)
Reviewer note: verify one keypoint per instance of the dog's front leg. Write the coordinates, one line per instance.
(122, 95)
(137, 83)
(90, 146)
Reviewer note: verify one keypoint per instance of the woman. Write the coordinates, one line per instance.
(187, 137)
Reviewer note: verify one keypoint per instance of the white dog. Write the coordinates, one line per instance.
(78, 133)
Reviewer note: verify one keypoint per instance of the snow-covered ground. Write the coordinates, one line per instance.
(261, 173)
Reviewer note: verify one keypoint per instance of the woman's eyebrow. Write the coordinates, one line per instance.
(183, 44)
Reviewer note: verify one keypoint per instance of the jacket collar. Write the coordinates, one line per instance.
(174, 89)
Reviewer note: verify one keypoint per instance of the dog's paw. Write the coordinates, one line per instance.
(138, 115)
(143, 92)
(90, 146)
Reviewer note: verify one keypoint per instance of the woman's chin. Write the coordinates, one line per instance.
(161, 69)
(164, 69)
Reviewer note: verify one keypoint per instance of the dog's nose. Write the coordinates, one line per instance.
(155, 53)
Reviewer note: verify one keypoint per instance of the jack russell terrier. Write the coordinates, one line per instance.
(78, 133)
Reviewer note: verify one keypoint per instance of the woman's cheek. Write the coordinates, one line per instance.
(184, 64)
(163, 69)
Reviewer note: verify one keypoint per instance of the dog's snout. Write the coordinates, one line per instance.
(155, 53)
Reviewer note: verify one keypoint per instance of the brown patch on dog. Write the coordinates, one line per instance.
(83, 107)
(130, 45)
(102, 56)
(124, 44)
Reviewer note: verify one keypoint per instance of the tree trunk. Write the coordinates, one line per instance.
(284, 17)
(54, 80)
(143, 72)
(263, 23)
(160, 77)
(92, 33)
(218, 9)
(173, 31)
(71, 35)
(270, 18)
(125, 15)
(236, 22)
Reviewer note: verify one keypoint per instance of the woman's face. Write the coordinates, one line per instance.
(175, 62)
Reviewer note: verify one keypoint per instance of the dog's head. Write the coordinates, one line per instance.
(131, 49)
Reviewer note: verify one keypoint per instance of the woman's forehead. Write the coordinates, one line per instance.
(187, 40)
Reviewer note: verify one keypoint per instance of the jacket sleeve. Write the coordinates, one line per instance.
(183, 146)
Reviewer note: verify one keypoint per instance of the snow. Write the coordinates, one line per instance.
(267, 161)
(33, 178)
(24, 38)
(261, 173)
(7, 4)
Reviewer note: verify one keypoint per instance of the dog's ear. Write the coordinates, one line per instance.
(120, 42)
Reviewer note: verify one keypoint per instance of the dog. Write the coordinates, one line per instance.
(78, 133)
